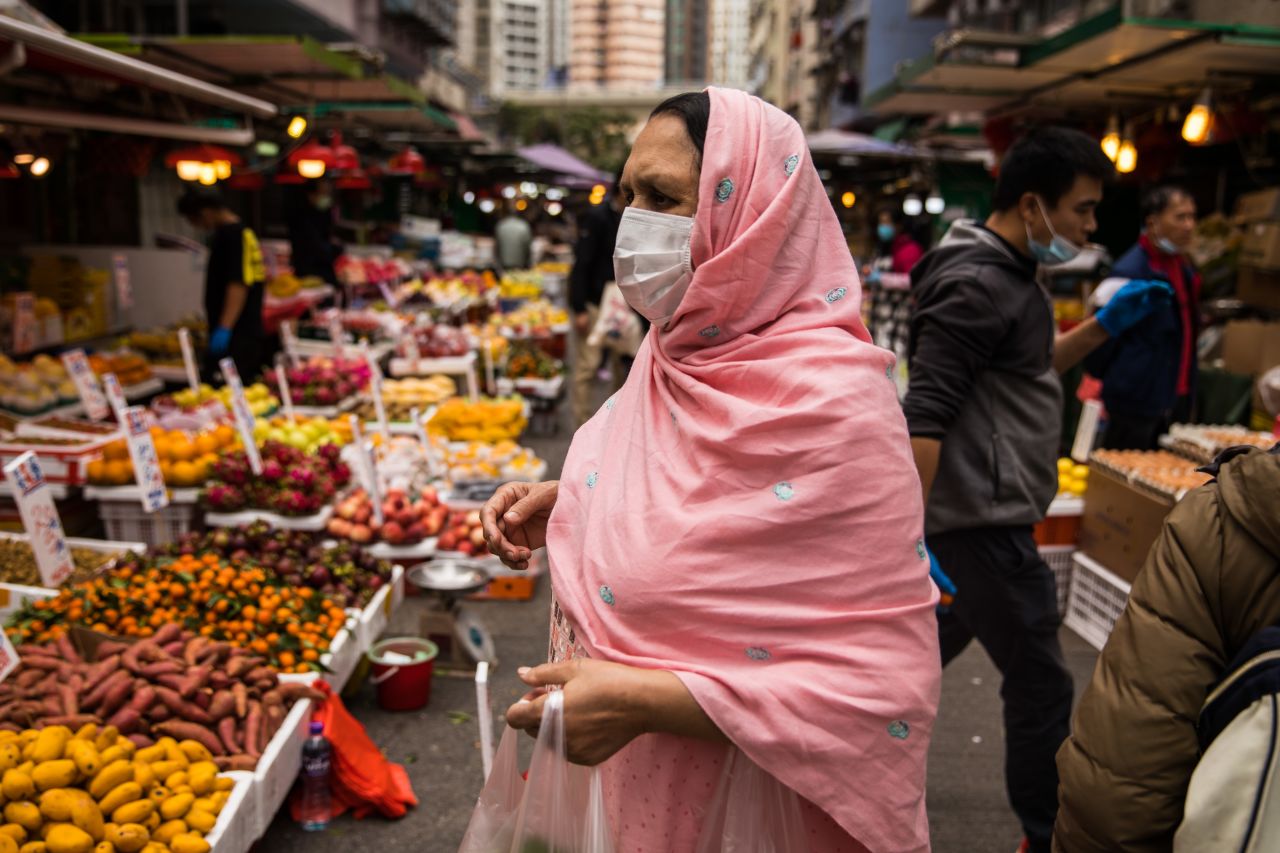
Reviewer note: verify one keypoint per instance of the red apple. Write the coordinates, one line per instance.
(430, 495)
(393, 533)
(477, 537)
(361, 533)
(473, 518)
(447, 542)
(466, 548)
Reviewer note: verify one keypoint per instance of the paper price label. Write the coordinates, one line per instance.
(9, 655)
(336, 334)
(24, 322)
(115, 395)
(290, 339)
(375, 387)
(387, 295)
(367, 460)
(189, 358)
(411, 349)
(95, 402)
(243, 414)
(146, 464)
(124, 286)
(286, 396)
(40, 519)
(419, 429)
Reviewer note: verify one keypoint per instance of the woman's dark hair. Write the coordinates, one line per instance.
(1156, 201)
(695, 109)
(196, 199)
(1046, 162)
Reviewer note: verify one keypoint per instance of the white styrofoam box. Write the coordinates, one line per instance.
(415, 553)
(279, 765)
(1095, 601)
(235, 830)
(1058, 558)
(13, 596)
(377, 613)
(134, 494)
(309, 523)
(447, 365)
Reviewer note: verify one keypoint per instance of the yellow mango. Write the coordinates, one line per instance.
(15, 831)
(150, 754)
(50, 744)
(10, 754)
(153, 822)
(34, 847)
(110, 777)
(129, 838)
(120, 795)
(89, 732)
(195, 751)
(135, 812)
(155, 847)
(201, 776)
(159, 794)
(173, 780)
(201, 821)
(111, 755)
(144, 775)
(16, 785)
(65, 838)
(176, 806)
(25, 814)
(105, 847)
(55, 774)
(8, 845)
(168, 830)
(56, 804)
(86, 815)
(224, 783)
(189, 843)
(107, 738)
(86, 757)
(165, 769)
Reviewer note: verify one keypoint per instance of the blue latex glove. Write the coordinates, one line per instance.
(219, 342)
(945, 585)
(1132, 304)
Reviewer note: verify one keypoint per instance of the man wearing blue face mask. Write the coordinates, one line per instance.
(1149, 373)
(984, 409)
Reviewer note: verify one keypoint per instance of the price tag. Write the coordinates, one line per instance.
(115, 395)
(419, 429)
(9, 655)
(95, 403)
(411, 350)
(286, 398)
(24, 322)
(367, 460)
(243, 414)
(40, 519)
(124, 288)
(375, 387)
(146, 464)
(289, 338)
(189, 358)
(387, 295)
(336, 334)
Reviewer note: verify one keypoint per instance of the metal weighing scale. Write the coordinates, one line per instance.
(461, 636)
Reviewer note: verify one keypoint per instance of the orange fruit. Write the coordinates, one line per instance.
(206, 443)
(225, 434)
(166, 471)
(116, 450)
(163, 447)
(119, 472)
(181, 449)
(97, 471)
(186, 474)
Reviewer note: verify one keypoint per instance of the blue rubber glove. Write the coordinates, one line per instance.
(945, 585)
(219, 342)
(1132, 304)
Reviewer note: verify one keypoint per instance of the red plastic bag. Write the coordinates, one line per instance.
(362, 779)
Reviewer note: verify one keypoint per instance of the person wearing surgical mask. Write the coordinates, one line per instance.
(741, 590)
(984, 409)
(313, 247)
(888, 284)
(1149, 373)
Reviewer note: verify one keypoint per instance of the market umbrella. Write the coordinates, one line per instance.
(833, 141)
(553, 158)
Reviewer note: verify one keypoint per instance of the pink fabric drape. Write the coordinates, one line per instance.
(745, 512)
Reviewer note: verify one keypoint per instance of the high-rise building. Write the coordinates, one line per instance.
(519, 58)
(687, 40)
(559, 23)
(729, 38)
(617, 45)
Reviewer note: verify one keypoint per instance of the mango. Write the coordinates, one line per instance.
(55, 774)
(16, 785)
(119, 796)
(110, 777)
(65, 838)
(50, 744)
(24, 814)
(135, 812)
(189, 843)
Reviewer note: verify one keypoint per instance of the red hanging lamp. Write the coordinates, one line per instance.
(311, 159)
(356, 179)
(407, 162)
(205, 163)
(345, 158)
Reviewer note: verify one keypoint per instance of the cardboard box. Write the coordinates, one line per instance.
(1258, 287)
(1261, 246)
(1121, 522)
(1259, 206)
(1250, 347)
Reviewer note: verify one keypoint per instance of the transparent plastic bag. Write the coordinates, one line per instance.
(752, 812)
(617, 326)
(560, 809)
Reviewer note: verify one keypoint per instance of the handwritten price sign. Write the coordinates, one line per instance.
(243, 414)
(9, 655)
(95, 404)
(40, 519)
(115, 395)
(146, 464)
(375, 387)
(367, 458)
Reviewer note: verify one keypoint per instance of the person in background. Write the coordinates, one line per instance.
(1209, 584)
(1149, 373)
(984, 411)
(898, 251)
(234, 281)
(515, 241)
(592, 270)
(889, 288)
(313, 248)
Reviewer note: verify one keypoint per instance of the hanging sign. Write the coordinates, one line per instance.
(146, 464)
(77, 366)
(189, 358)
(40, 519)
(243, 414)
(24, 322)
(124, 287)
(115, 394)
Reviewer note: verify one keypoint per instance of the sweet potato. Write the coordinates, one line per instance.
(235, 762)
(275, 716)
(227, 734)
(70, 705)
(173, 682)
(110, 648)
(66, 650)
(164, 667)
(179, 730)
(167, 634)
(126, 719)
(293, 691)
(143, 698)
(253, 729)
(41, 661)
(159, 713)
(71, 721)
(221, 704)
(94, 675)
(203, 698)
(175, 648)
(241, 695)
(96, 694)
(219, 680)
(195, 678)
(191, 653)
(115, 697)
(28, 677)
(140, 654)
(182, 708)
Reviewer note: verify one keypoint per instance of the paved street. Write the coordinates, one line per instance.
(440, 745)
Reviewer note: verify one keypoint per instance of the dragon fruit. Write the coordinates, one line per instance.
(302, 476)
(224, 498)
(329, 452)
(341, 474)
(272, 470)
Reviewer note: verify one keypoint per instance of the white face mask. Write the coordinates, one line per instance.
(651, 262)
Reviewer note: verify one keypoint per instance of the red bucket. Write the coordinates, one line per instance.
(401, 667)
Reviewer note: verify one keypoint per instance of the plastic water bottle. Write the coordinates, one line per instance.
(315, 780)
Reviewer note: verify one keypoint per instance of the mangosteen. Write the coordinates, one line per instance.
(319, 576)
(285, 565)
(239, 555)
(346, 592)
(373, 582)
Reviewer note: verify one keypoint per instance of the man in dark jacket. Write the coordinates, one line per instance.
(312, 246)
(1149, 373)
(984, 409)
(592, 270)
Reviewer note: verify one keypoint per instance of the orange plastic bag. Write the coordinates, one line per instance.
(362, 779)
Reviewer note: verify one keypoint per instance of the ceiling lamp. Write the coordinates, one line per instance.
(1198, 123)
(190, 162)
(297, 127)
(24, 158)
(849, 199)
(188, 170)
(1111, 141)
(468, 197)
(345, 158)
(40, 166)
(555, 208)
(912, 206)
(935, 203)
(311, 159)
(246, 181)
(407, 162)
(1127, 155)
(208, 174)
(356, 179)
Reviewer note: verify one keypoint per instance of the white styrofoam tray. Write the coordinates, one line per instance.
(448, 365)
(234, 831)
(309, 523)
(279, 765)
(133, 494)
(377, 613)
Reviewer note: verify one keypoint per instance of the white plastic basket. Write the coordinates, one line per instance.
(1096, 600)
(128, 521)
(1058, 557)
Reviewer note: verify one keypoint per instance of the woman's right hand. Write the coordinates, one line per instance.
(515, 520)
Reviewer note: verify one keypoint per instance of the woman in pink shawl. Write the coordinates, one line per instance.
(736, 541)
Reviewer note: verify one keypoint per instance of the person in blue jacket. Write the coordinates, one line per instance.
(1148, 373)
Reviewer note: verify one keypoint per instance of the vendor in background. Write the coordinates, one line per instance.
(592, 270)
(313, 248)
(888, 289)
(233, 283)
(896, 250)
(514, 240)
(1149, 373)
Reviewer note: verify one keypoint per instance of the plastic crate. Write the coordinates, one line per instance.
(1060, 563)
(128, 521)
(1096, 600)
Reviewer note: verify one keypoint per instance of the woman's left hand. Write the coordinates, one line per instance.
(605, 705)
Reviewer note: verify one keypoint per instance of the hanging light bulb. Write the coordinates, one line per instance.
(487, 205)
(912, 206)
(555, 208)
(935, 204)
(297, 127)
(222, 168)
(189, 170)
(208, 174)
(849, 199)
(311, 168)
(1195, 128)
(1111, 141)
(24, 158)
(522, 205)
(468, 197)
(40, 166)
(1127, 155)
